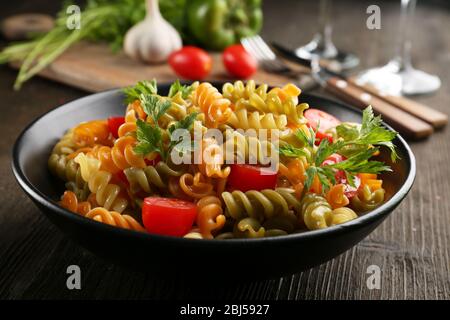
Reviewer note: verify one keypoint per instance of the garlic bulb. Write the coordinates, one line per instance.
(153, 39)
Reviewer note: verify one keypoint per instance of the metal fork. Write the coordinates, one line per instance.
(266, 58)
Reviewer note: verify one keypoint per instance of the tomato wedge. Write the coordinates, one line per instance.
(166, 216)
(114, 123)
(320, 120)
(245, 177)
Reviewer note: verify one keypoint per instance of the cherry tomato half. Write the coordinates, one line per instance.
(238, 62)
(245, 177)
(320, 120)
(166, 216)
(191, 63)
(114, 123)
(340, 177)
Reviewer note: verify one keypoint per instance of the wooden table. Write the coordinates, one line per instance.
(411, 247)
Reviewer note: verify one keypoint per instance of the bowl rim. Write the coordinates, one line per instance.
(361, 221)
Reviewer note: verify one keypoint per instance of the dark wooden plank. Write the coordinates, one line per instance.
(411, 246)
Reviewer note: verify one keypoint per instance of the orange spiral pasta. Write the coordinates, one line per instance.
(70, 202)
(135, 111)
(212, 103)
(370, 179)
(93, 132)
(210, 216)
(114, 219)
(211, 160)
(103, 153)
(336, 196)
(196, 186)
(294, 171)
(123, 154)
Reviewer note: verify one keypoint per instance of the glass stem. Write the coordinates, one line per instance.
(323, 38)
(403, 59)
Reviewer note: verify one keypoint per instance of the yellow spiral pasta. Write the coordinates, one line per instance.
(277, 101)
(243, 119)
(115, 219)
(240, 148)
(107, 194)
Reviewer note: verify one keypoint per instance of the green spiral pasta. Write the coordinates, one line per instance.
(150, 177)
(68, 171)
(315, 211)
(65, 145)
(367, 199)
(260, 205)
(341, 215)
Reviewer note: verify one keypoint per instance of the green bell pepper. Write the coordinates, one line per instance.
(216, 24)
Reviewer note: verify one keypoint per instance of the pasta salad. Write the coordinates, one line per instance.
(246, 161)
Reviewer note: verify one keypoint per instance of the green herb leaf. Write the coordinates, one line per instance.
(149, 138)
(310, 174)
(308, 141)
(185, 123)
(141, 88)
(178, 87)
(154, 106)
(359, 163)
(290, 151)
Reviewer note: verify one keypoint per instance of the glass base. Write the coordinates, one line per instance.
(395, 80)
(336, 60)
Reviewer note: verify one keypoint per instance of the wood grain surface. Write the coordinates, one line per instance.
(411, 247)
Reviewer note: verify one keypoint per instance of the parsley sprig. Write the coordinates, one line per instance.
(149, 134)
(145, 88)
(363, 142)
(178, 87)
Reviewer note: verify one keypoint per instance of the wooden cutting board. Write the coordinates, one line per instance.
(93, 67)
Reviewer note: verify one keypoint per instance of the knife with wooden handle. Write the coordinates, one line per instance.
(434, 117)
(402, 121)
(413, 110)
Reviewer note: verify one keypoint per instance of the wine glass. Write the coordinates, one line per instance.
(322, 47)
(398, 76)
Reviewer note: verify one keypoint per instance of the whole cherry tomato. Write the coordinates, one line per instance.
(238, 62)
(191, 63)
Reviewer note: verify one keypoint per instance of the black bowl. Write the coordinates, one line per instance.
(167, 256)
